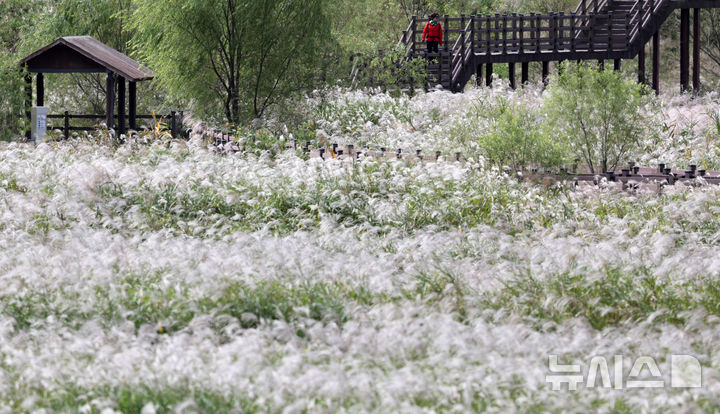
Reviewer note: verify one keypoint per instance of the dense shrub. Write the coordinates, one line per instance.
(515, 136)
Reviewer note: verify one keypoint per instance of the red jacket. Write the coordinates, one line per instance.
(432, 33)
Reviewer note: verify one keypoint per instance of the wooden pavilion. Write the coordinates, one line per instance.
(84, 54)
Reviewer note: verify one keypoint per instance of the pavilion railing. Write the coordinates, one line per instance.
(172, 121)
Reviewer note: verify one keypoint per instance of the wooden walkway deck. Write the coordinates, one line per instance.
(597, 30)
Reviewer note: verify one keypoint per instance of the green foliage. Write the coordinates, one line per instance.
(232, 57)
(390, 71)
(515, 138)
(14, 17)
(12, 99)
(616, 298)
(598, 113)
(131, 399)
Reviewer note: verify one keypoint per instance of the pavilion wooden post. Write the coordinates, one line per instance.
(478, 74)
(545, 72)
(617, 65)
(488, 74)
(121, 105)
(524, 72)
(132, 110)
(40, 98)
(28, 104)
(696, 49)
(684, 49)
(656, 62)
(110, 100)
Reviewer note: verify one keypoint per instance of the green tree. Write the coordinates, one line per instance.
(598, 113)
(15, 17)
(239, 55)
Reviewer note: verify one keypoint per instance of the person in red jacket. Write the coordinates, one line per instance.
(432, 34)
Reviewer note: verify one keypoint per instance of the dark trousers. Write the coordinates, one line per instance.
(432, 47)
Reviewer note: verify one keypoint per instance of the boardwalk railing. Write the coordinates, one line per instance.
(173, 121)
(591, 31)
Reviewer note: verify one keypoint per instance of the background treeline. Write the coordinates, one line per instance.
(230, 60)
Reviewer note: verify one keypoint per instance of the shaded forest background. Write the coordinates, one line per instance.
(232, 61)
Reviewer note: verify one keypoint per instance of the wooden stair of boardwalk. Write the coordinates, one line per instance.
(596, 30)
(439, 70)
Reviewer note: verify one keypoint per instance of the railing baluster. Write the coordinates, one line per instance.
(537, 31)
(572, 32)
(488, 28)
(462, 47)
(412, 39)
(498, 30)
(554, 32)
(610, 26)
(513, 29)
(627, 31)
(447, 40)
(561, 31)
(591, 35)
(504, 34)
(472, 33)
(522, 38)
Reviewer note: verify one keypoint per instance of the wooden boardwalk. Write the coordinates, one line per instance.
(623, 178)
(597, 30)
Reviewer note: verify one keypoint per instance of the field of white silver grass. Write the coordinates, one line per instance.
(156, 278)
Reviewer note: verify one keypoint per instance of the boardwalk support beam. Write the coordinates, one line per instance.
(641, 65)
(511, 74)
(656, 62)
(696, 50)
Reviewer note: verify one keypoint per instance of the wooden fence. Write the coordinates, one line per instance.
(173, 122)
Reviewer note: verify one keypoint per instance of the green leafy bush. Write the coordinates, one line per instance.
(390, 70)
(598, 113)
(515, 136)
